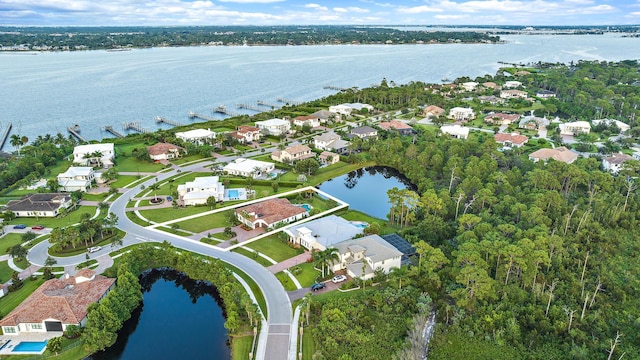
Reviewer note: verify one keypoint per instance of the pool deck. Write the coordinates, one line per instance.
(16, 339)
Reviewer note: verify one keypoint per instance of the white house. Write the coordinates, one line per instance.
(309, 120)
(76, 178)
(331, 141)
(197, 192)
(39, 205)
(275, 126)
(609, 122)
(512, 84)
(575, 128)
(469, 85)
(196, 136)
(248, 167)
(362, 256)
(99, 154)
(615, 162)
(461, 114)
(456, 131)
(57, 303)
(270, 213)
(545, 94)
(322, 233)
(347, 108)
(513, 94)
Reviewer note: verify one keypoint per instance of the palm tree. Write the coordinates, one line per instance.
(326, 257)
(400, 273)
(15, 142)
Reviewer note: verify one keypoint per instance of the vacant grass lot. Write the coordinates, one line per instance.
(275, 248)
(207, 222)
(166, 214)
(305, 273)
(326, 173)
(14, 298)
(252, 255)
(5, 272)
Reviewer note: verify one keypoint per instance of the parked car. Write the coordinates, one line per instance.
(37, 227)
(338, 278)
(20, 226)
(94, 249)
(318, 286)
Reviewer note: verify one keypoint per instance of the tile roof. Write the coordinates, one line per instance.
(162, 148)
(513, 138)
(434, 109)
(59, 299)
(394, 124)
(38, 202)
(297, 149)
(242, 129)
(363, 130)
(271, 211)
(502, 117)
(619, 158)
(559, 154)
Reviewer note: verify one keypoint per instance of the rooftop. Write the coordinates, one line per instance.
(394, 124)
(329, 230)
(271, 211)
(162, 148)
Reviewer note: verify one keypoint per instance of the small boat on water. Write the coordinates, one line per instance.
(75, 128)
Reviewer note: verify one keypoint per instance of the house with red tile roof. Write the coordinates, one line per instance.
(270, 213)
(399, 126)
(57, 304)
(559, 154)
(328, 158)
(433, 111)
(501, 118)
(615, 162)
(312, 121)
(511, 140)
(246, 134)
(293, 153)
(165, 151)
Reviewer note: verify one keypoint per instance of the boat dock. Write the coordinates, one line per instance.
(5, 135)
(289, 101)
(223, 110)
(195, 115)
(110, 129)
(135, 125)
(264, 103)
(75, 131)
(161, 120)
(250, 107)
(330, 87)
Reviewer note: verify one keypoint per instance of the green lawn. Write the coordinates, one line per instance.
(133, 217)
(286, 281)
(204, 223)
(22, 263)
(14, 298)
(275, 248)
(259, 259)
(5, 272)
(166, 214)
(71, 218)
(124, 181)
(8, 241)
(326, 173)
(354, 215)
(221, 235)
(241, 347)
(94, 197)
(308, 345)
(189, 158)
(305, 273)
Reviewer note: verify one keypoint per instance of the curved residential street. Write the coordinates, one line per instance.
(276, 345)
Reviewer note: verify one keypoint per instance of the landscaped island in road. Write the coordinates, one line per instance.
(524, 242)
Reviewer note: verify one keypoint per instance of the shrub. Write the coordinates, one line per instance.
(72, 332)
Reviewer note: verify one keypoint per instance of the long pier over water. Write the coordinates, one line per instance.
(5, 135)
(75, 131)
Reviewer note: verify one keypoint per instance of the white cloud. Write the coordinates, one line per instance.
(351, 9)
(316, 7)
(251, 1)
(418, 9)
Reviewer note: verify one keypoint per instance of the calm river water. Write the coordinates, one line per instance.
(48, 92)
(179, 319)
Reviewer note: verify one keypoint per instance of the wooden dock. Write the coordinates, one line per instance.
(161, 120)
(195, 115)
(75, 131)
(224, 111)
(5, 135)
(111, 130)
(289, 101)
(331, 87)
(250, 107)
(264, 103)
(135, 126)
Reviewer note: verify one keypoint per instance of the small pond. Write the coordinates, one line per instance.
(179, 318)
(366, 189)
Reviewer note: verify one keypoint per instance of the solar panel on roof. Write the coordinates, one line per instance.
(400, 243)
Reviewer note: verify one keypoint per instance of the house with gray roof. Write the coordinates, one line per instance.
(322, 233)
(363, 256)
(44, 205)
(364, 132)
(330, 141)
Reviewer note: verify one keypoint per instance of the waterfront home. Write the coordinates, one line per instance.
(363, 256)
(545, 94)
(326, 115)
(511, 140)
(39, 205)
(57, 303)
(246, 134)
(461, 114)
(558, 154)
(292, 154)
(328, 158)
(275, 126)
(322, 233)
(469, 85)
(513, 94)
(433, 111)
(491, 99)
(364, 132)
(512, 84)
(501, 118)
(308, 120)
(197, 136)
(575, 128)
(165, 151)
(611, 122)
(533, 122)
(456, 131)
(331, 141)
(94, 154)
(269, 213)
(248, 168)
(348, 108)
(197, 192)
(76, 178)
(399, 126)
(615, 162)
(491, 85)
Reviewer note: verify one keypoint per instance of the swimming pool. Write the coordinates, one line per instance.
(307, 207)
(360, 224)
(232, 193)
(30, 346)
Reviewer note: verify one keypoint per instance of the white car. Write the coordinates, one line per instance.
(94, 249)
(338, 278)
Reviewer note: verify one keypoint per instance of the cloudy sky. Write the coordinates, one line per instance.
(294, 12)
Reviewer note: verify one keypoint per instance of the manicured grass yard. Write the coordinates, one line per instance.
(275, 248)
(354, 215)
(286, 281)
(166, 214)
(305, 273)
(14, 298)
(308, 346)
(259, 259)
(8, 241)
(204, 223)
(5, 272)
(124, 180)
(326, 173)
(241, 347)
(71, 218)
(128, 163)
